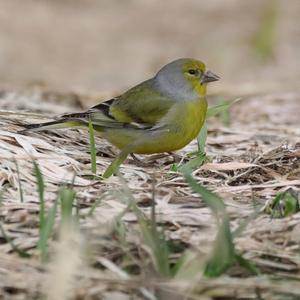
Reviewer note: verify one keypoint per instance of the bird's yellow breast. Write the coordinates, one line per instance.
(186, 121)
(180, 126)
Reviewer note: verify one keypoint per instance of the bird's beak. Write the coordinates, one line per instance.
(209, 77)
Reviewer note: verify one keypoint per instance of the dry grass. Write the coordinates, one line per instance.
(251, 161)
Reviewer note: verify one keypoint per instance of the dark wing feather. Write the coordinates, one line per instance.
(101, 116)
(141, 107)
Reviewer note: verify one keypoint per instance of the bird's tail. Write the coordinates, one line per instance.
(58, 124)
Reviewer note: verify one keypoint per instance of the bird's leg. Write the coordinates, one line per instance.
(115, 165)
(138, 161)
(176, 157)
(149, 160)
(146, 162)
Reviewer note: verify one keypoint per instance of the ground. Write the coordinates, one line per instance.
(250, 161)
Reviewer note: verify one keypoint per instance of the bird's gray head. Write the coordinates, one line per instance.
(184, 79)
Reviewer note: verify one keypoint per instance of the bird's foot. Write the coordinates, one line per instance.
(147, 162)
(176, 158)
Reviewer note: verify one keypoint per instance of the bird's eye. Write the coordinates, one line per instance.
(192, 72)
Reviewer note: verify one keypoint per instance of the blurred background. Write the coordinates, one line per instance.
(92, 46)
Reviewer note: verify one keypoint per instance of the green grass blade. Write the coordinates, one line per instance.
(216, 110)
(193, 163)
(243, 224)
(155, 241)
(19, 182)
(153, 237)
(67, 198)
(201, 139)
(223, 253)
(46, 220)
(161, 249)
(2, 191)
(225, 114)
(213, 201)
(220, 108)
(95, 204)
(189, 265)
(41, 189)
(245, 263)
(45, 232)
(15, 248)
(92, 148)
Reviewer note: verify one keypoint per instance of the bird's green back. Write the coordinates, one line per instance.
(141, 104)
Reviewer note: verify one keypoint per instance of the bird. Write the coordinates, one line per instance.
(161, 114)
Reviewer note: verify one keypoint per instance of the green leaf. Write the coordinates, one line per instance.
(284, 204)
(291, 201)
(173, 168)
(193, 163)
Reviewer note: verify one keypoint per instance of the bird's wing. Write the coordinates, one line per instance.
(99, 115)
(143, 104)
(141, 107)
